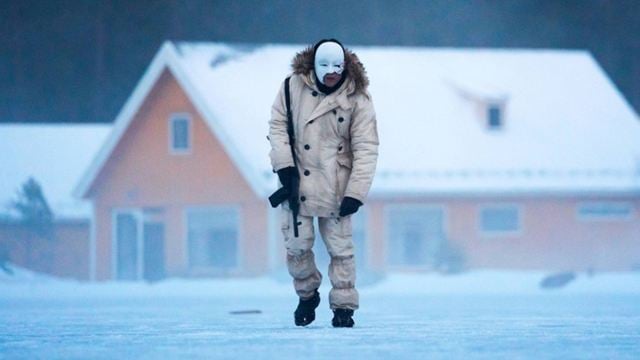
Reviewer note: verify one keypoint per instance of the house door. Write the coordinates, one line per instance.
(126, 246)
(138, 245)
(153, 251)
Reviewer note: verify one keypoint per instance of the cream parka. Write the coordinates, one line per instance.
(336, 136)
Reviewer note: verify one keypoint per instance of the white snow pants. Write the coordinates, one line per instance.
(336, 234)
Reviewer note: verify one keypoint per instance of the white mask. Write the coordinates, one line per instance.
(329, 59)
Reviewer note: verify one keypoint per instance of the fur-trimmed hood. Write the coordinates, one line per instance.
(303, 64)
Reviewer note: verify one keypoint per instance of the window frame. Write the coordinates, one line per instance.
(141, 215)
(500, 233)
(606, 218)
(172, 119)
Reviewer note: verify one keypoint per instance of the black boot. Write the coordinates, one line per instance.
(342, 318)
(306, 311)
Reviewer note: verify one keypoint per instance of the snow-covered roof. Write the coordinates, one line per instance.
(567, 127)
(54, 155)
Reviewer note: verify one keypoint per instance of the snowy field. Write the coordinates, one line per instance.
(482, 314)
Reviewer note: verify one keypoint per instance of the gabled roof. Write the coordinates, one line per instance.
(167, 58)
(567, 127)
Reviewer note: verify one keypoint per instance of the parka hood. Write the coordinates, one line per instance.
(303, 64)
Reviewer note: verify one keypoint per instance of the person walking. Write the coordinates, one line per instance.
(324, 148)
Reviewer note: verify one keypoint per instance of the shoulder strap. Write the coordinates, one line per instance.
(290, 131)
(287, 99)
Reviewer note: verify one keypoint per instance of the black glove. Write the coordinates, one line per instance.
(286, 175)
(349, 206)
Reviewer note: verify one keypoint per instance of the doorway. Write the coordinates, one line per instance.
(138, 244)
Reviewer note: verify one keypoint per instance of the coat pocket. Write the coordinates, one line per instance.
(344, 160)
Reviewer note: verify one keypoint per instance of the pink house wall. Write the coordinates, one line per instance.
(66, 255)
(552, 238)
(141, 172)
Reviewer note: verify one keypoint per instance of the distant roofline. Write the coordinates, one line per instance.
(168, 57)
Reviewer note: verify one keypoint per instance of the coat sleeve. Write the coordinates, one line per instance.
(364, 146)
(280, 150)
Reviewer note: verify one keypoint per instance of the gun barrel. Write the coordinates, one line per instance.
(294, 205)
(295, 225)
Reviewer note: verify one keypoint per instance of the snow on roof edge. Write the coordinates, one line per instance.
(165, 58)
(252, 176)
(122, 121)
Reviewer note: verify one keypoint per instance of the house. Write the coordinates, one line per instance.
(489, 158)
(55, 156)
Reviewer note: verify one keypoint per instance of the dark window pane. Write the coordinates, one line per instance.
(499, 219)
(494, 116)
(180, 134)
(213, 238)
(153, 251)
(223, 248)
(605, 210)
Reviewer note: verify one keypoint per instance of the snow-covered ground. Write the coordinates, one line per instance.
(486, 314)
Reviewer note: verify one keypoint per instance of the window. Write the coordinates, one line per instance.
(499, 219)
(213, 235)
(494, 116)
(180, 133)
(414, 235)
(605, 211)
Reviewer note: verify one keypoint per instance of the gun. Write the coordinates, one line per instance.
(283, 194)
(279, 197)
(293, 194)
